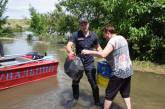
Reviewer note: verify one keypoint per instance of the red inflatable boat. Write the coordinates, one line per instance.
(19, 70)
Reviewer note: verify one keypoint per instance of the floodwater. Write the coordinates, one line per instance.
(148, 89)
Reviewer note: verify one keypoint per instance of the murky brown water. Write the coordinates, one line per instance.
(148, 89)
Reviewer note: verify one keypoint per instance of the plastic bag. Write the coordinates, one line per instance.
(104, 69)
(74, 68)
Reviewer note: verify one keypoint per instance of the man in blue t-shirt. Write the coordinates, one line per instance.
(84, 39)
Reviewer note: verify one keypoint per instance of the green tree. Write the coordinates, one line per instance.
(49, 23)
(92, 9)
(37, 21)
(3, 4)
(141, 22)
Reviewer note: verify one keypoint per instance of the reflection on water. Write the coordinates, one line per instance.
(17, 46)
(148, 91)
(53, 93)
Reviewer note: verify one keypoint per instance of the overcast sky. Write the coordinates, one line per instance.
(19, 9)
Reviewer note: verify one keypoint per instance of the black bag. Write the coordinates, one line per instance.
(35, 55)
(74, 68)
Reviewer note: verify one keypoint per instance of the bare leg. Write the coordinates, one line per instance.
(107, 104)
(128, 102)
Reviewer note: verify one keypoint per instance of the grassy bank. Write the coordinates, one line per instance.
(144, 66)
(15, 23)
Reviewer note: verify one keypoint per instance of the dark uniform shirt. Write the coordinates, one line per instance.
(81, 42)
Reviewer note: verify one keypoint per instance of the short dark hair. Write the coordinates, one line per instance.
(109, 28)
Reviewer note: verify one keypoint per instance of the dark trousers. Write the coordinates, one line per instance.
(91, 75)
(116, 85)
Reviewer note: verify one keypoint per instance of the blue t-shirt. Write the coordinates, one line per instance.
(81, 42)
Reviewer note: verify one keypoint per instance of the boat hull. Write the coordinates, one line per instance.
(29, 72)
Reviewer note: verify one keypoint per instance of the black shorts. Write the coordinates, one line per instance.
(118, 84)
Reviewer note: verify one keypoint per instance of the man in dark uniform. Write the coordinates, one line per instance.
(85, 39)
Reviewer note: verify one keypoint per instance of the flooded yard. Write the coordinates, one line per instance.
(148, 89)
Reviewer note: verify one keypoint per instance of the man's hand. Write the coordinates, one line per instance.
(85, 51)
(71, 56)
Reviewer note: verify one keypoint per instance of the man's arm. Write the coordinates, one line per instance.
(97, 44)
(98, 47)
(69, 47)
(71, 54)
(103, 53)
